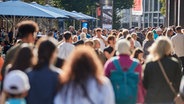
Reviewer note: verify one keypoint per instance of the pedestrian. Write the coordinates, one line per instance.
(16, 86)
(109, 51)
(125, 64)
(102, 38)
(83, 79)
(27, 31)
(136, 43)
(158, 90)
(44, 79)
(138, 54)
(85, 30)
(169, 32)
(147, 43)
(65, 48)
(178, 42)
(82, 39)
(98, 51)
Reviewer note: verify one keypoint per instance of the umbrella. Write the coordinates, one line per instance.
(19, 8)
(84, 15)
(59, 11)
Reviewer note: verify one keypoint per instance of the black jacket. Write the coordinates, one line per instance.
(158, 91)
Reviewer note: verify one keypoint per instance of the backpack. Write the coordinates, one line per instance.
(125, 84)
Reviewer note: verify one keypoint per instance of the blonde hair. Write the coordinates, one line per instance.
(149, 35)
(162, 47)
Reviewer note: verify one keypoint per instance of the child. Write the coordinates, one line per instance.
(16, 86)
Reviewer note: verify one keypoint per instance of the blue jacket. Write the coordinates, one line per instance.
(44, 85)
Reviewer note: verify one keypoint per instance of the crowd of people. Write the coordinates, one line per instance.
(100, 66)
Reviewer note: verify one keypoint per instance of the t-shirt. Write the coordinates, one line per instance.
(109, 49)
(65, 49)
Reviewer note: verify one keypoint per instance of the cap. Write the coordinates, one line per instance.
(16, 82)
(123, 47)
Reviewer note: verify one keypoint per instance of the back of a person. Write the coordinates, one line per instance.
(126, 62)
(146, 46)
(97, 93)
(44, 84)
(65, 49)
(178, 41)
(158, 90)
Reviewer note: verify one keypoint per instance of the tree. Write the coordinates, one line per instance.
(163, 8)
(117, 6)
(84, 6)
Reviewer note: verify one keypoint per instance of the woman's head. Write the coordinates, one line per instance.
(149, 36)
(47, 52)
(82, 64)
(25, 58)
(96, 43)
(138, 54)
(111, 39)
(160, 48)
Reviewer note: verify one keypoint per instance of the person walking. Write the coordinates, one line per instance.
(65, 48)
(158, 90)
(83, 80)
(178, 42)
(147, 43)
(44, 79)
(125, 64)
(102, 38)
(27, 31)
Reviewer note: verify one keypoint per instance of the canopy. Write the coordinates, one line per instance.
(75, 15)
(59, 11)
(84, 15)
(19, 8)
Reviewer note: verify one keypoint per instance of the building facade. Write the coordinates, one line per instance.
(151, 13)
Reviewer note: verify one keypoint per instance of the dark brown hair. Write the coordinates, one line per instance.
(26, 27)
(23, 59)
(110, 37)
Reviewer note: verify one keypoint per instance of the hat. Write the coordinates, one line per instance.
(16, 82)
(123, 47)
(158, 29)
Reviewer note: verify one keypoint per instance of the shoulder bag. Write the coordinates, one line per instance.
(178, 99)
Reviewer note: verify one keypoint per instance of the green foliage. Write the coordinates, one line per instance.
(163, 8)
(119, 5)
(84, 6)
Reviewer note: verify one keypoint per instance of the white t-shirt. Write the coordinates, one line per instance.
(102, 44)
(65, 49)
(178, 42)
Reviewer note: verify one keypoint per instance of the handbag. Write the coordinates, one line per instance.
(178, 99)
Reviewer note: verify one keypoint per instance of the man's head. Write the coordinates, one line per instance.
(68, 36)
(27, 31)
(98, 31)
(178, 29)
